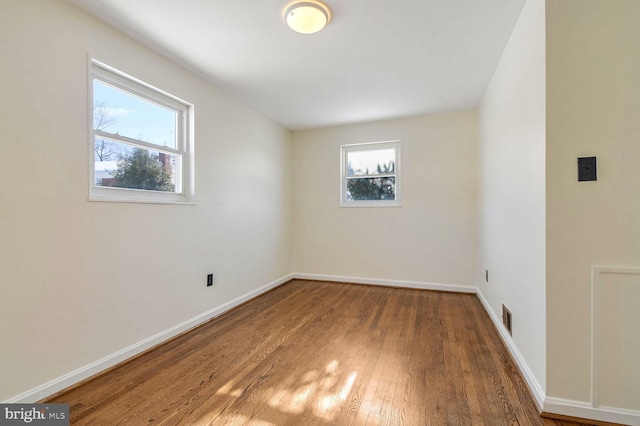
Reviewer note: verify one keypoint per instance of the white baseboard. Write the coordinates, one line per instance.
(549, 405)
(387, 283)
(536, 389)
(585, 410)
(82, 373)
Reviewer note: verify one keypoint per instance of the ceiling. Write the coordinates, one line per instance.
(376, 60)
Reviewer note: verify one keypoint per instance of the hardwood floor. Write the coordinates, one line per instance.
(315, 353)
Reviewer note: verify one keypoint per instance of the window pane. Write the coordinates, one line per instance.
(371, 188)
(371, 162)
(123, 166)
(117, 112)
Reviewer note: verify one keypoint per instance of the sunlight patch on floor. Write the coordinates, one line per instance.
(321, 391)
(328, 404)
(226, 389)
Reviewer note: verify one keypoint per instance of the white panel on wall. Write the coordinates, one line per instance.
(616, 337)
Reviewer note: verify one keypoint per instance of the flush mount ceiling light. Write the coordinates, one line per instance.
(307, 17)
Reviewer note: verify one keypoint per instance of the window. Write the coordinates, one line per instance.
(370, 174)
(141, 144)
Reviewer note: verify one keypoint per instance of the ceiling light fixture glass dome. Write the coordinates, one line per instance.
(307, 17)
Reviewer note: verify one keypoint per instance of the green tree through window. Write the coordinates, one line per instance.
(142, 169)
(378, 188)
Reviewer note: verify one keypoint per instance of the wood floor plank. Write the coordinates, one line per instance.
(318, 353)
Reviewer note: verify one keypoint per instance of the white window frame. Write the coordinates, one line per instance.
(184, 193)
(368, 146)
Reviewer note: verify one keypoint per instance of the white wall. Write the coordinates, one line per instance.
(81, 280)
(429, 239)
(511, 189)
(593, 109)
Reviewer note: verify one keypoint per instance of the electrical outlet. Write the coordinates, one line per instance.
(486, 275)
(209, 280)
(507, 319)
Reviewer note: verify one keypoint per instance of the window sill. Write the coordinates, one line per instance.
(370, 204)
(124, 195)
